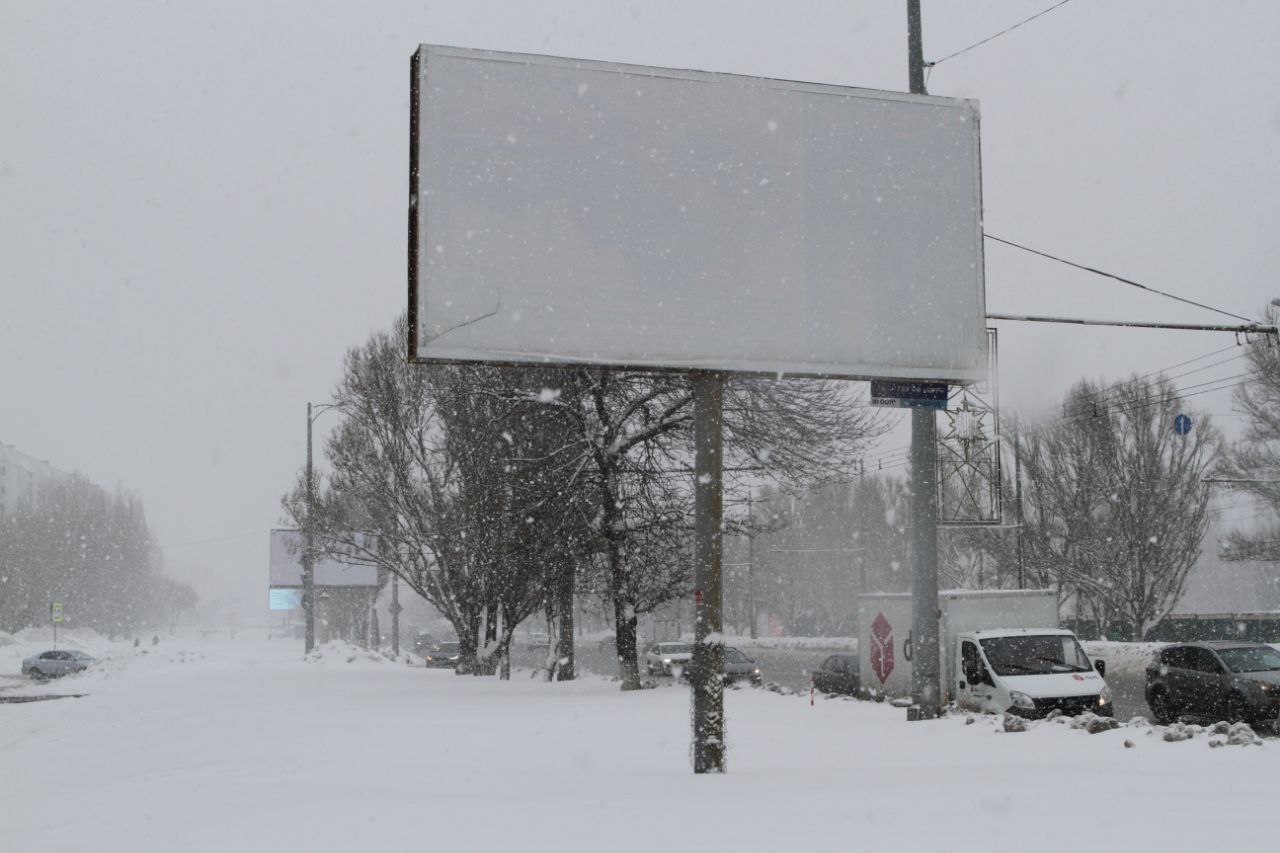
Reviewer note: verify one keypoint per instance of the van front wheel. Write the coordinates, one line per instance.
(1162, 710)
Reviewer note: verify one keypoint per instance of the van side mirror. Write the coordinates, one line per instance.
(1101, 667)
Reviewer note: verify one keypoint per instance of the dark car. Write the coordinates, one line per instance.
(53, 664)
(423, 643)
(837, 674)
(1222, 680)
(739, 667)
(443, 656)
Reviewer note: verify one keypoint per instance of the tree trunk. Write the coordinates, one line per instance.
(624, 614)
(563, 646)
(503, 655)
(468, 654)
(486, 657)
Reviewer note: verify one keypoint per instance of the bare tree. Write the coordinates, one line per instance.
(1115, 503)
(442, 476)
(634, 437)
(1253, 462)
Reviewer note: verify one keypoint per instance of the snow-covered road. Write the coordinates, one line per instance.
(240, 745)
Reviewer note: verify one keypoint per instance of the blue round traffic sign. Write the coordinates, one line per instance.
(1182, 424)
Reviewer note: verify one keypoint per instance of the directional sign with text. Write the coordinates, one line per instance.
(909, 394)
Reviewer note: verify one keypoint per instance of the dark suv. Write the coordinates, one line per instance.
(1219, 679)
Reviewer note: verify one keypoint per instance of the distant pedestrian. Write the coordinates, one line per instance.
(136, 642)
(155, 639)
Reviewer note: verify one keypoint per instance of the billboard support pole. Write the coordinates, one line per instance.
(708, 648)
(925, 692)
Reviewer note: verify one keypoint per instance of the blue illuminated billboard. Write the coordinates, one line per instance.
(286, 599)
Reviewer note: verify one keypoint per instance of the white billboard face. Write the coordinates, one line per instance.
(580, 212)
(286, 565)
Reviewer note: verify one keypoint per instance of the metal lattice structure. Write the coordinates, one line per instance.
(969, 482)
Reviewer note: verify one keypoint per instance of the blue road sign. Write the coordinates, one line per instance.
(1182, 424)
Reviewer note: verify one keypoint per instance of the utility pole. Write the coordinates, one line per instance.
(925, 695)
(708, 513)
(308, 553)
(1017, 491)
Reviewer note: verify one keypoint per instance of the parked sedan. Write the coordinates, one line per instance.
(664, 658)
(837, 674)
(54, 664)
(1223, 680)
(444, 656)
(739, 667)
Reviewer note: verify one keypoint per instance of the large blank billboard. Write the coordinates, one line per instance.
(286, 565)
(575, 212)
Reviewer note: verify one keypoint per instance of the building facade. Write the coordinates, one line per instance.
(22, 477)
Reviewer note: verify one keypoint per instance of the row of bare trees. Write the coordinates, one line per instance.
(76, 543)
(495, 492)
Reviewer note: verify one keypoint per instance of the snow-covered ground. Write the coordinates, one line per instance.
(241, 745)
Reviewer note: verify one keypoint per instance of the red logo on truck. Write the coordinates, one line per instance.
(881, 647)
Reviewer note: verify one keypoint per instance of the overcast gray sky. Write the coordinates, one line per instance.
(202, 205)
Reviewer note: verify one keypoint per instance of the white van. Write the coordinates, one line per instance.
(1029, 672)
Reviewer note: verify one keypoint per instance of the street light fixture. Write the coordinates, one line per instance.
(308, 537)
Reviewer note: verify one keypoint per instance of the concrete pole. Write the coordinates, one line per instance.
(926, 693)
(708, 648)
(751, 563)
(915, 48)
(308, 553)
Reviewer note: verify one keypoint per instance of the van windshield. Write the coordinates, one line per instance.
(1035, 654)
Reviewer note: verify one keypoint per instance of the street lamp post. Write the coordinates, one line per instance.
(308, 538)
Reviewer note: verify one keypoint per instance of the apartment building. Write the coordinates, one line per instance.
(22, 477)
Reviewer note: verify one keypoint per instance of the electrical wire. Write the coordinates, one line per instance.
(1118, 278)
(929, 65)
(900, 457)
(1116, 393)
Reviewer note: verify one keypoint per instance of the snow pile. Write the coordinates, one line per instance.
(343, 652)
(1216, 735)
(1219, 734)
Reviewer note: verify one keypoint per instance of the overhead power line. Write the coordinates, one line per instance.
(997, 35)
(1122, 280)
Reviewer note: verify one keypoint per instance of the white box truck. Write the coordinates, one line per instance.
(1001, 650)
